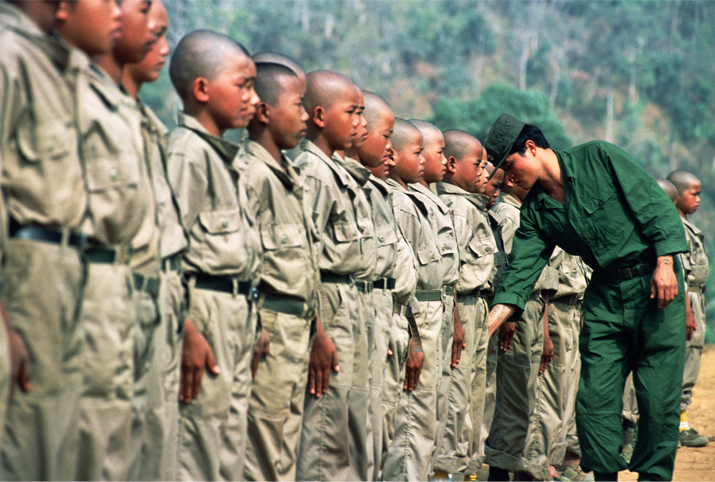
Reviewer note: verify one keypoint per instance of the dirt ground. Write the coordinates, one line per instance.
(697, 463)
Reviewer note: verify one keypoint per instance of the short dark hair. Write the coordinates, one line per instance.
(532, 133)
(268, 81)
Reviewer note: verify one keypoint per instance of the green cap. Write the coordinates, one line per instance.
(501, 138)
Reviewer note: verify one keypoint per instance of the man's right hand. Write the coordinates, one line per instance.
(413, 368)
(323, 358)
(506, 335)
(195, 356)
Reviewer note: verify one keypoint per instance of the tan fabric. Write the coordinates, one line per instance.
(630, 403)
(490, 400)
(695, 267)
(5, 377)
(42, 176)
(275, 199)
(343, 227)
(508, 208)
(385, 229)
(203, 171)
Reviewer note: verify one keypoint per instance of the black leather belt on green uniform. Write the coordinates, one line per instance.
(147, 284)
(384, 283)
(171, 263)
(626, 273)
(287, 306)
(108, 254)
(49, 235)
(223, 284)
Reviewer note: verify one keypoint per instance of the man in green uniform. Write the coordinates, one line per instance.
(594, 201)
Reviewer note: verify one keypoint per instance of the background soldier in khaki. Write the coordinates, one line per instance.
(521, 343)
(462, 191)
(214, 76)
(339, 225)
(120, 197)
(409, 455)
(373, 153)
(695, 269)
(43, 200)
(156, 396)
(289, 276)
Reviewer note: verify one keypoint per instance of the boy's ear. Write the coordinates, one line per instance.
(200, 89)
(62, 12)
(451, 163)
(263, 111)
(318, 116)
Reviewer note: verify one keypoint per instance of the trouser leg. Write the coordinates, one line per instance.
(361, 456)
(479, 404)
(383, 302)
(693, 349)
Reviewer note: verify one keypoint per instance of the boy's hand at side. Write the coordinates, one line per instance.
(196, 355)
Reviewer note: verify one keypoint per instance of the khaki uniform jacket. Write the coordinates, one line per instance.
(173, 236)
(572, 271)
(275, 200)
(340, 215)
(474, 236)
(385, 228)
(695, 261)
(440, 218)
(113, 155)
(42, 177)
(204, 171)
(509, 209)
(411, 213)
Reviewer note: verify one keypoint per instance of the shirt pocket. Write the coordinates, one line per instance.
(280, 236)
(387, 238)
(345, 232)
(482, 246)
(49, 141)
(427, 254)
(221, 222)
(106, 169)
(602, 211)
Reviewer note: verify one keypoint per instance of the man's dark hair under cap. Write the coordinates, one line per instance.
(501, 137)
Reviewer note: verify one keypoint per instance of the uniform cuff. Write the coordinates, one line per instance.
(509, 299)
(669, 246)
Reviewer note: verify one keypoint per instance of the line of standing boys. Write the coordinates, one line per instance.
(168, 295)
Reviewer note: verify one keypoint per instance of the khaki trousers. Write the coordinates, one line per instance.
(109, 323)
(551, 391)
(394, 380)
(212, 429)
(275, 410)
(410, 453)
(693, 348)
(490, 400)
(43, 290)
(568, 438)
(478, 408)
(517, 374)
(326, 438)
(446, 336)
(453, 452)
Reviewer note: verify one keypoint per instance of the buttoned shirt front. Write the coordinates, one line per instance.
(275, 200)
(695, 261)
(615, 216)
(385, 229)
(204, 170)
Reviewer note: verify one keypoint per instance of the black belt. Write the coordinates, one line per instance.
(108, 255)
(400, 309)
(172, 263)
(477, 293)
(627, 273)
(146, 284)
(223, 284)
(287, 306)
(383, 283)
(448, 290)
(428, 295)
(363, 286)
(328, 277)
(41, 233)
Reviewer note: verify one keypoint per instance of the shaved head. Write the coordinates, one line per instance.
(682, 180)
(281, 59)
(375, 108)
(429, 131)
(324, 88)
(201, 53)
(403, 133)
(489, 168)
(669, 189)
(458, 143)
(271, 80)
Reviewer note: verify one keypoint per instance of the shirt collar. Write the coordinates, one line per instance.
(432, 196)
(289, 177)
(225, 148)
(332, 162)
(479, 200)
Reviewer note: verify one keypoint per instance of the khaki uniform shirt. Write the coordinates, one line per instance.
(695, 261)
(275, 200)
(385, 228)
(509, 209)
(440, 218)
(411, 213)
(340, 215)
(113, 155)
(572, 271)
(474, 236)
(173, 237)
(204, 171)
(42, 176)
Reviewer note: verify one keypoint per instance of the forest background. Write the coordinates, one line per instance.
(640, 74)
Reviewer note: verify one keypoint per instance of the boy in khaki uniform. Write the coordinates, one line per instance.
(289, 276)
(408, 456)
(214, 76)
(695, 269)
(156, 395)
(120, 201)
(43, 200)
(342, 225)
(521, 347)
(462, 191)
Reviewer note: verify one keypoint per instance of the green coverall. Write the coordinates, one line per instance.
(615, 216)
